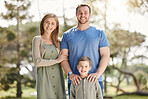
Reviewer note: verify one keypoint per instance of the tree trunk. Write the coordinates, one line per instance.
(135, 79)
(19, 89)
(120, 80)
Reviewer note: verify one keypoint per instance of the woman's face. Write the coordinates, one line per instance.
(49, 25)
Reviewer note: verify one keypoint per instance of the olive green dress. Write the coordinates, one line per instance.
(50, 79)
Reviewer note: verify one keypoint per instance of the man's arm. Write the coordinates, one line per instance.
(105, 56)
(66, 67)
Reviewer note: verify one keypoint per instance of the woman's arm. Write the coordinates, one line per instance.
(38, 60)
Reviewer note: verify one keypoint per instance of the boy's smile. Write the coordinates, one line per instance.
(83, 68)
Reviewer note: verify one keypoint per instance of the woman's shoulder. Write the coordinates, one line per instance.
(37, 38)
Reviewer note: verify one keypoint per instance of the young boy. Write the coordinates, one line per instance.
(86, 89)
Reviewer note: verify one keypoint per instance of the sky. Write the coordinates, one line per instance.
(117, 13)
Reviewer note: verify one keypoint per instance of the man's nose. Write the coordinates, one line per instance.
(83, 14)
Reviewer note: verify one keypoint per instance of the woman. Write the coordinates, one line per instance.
(45, 50)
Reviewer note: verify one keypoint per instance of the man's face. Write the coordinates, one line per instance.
(83, 15)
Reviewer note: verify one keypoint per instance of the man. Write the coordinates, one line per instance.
(85, 40)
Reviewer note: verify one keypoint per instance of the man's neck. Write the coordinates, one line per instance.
(83, 27)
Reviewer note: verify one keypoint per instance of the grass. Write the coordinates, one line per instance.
(11, 94)
(28, 93)
(131, 97)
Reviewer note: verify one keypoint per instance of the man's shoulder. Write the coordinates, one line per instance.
(70, 30)
(96, 28)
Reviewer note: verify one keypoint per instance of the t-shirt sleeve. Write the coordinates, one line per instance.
(64, 43)
(103, 40)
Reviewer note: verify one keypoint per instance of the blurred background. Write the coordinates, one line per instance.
(125, 23)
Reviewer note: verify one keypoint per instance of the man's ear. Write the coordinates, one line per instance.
(77, 66)
(89, 67)
(76, 14)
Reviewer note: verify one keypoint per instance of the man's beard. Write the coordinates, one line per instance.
(83, 22)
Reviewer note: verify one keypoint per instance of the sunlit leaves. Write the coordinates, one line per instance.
(140, 6)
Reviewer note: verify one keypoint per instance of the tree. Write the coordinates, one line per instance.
(139, 6)
(7, 38)
(121, 42)
(17, 9)
(119, 38)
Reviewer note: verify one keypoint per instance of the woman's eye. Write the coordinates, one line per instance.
(52, 23)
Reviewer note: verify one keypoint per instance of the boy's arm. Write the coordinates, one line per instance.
(98, 91)
(72, 91)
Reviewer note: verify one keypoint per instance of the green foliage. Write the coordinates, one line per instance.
(120, 40)
(8, 75)
(15, 9)
(142, 79)
(140, 6)
(23, 53)
(27, 82)
(10, 36)
(9, 78)
(6, 35)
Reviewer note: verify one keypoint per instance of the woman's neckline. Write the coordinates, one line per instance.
(46, 43)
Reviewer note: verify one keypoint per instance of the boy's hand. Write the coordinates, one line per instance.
(93, 77)
(75, 78)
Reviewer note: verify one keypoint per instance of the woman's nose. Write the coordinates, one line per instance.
(49, 25)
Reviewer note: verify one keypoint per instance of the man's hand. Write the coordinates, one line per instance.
(93, 77)
(75, 78)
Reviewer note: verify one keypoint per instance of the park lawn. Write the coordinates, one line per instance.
(130, 97)
(28, 94)
(11, 94)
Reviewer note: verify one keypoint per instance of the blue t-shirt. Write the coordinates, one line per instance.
(84, 43)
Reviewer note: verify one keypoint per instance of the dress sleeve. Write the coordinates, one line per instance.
(98, 91)
(36, 54)
(72, 91)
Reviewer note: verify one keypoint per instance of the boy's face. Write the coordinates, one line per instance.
(83, 68)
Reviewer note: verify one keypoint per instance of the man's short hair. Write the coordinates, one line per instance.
(82, 5)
